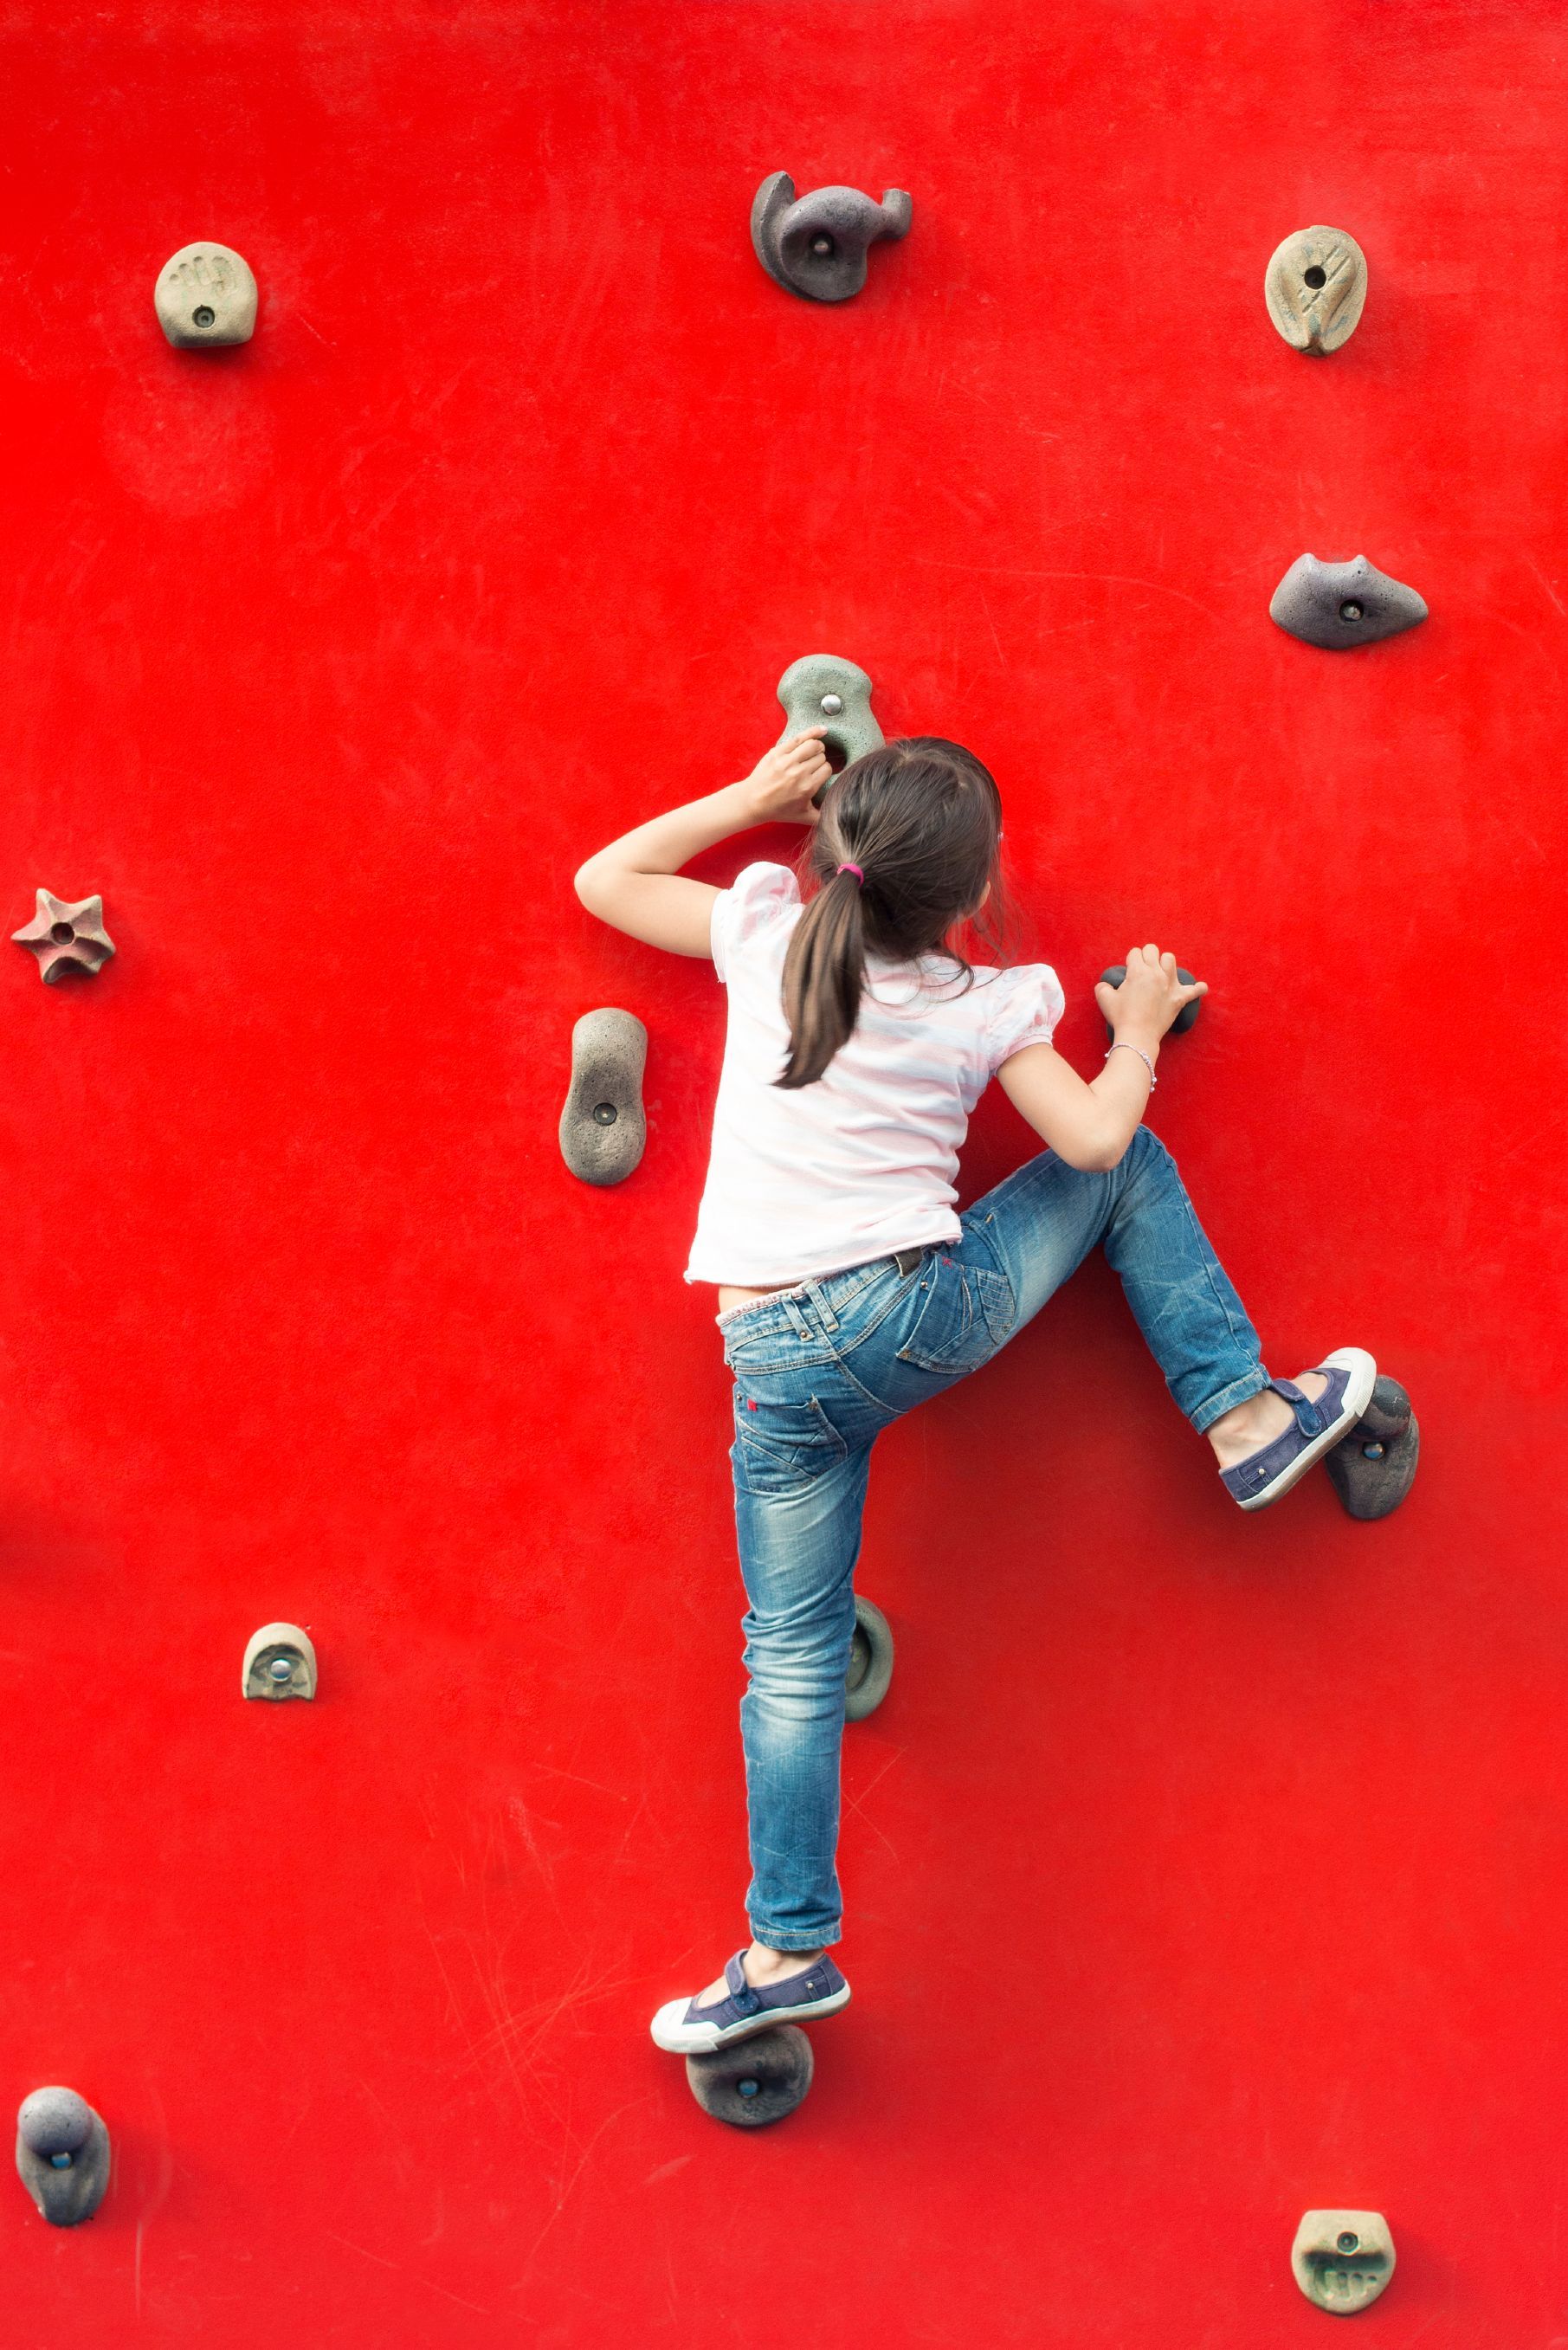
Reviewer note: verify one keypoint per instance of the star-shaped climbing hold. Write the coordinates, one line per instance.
(65, 937)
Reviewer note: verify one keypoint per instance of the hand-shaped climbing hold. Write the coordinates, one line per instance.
(280, 1661)
(1338, 604)
(205, 294)
(1343, 2259)
(815, 245)
(1184, 1018)
(66, 936)
(1373, 1467)
(603, 1128)
(821, 690)
(62, 2155)
(1316, 286)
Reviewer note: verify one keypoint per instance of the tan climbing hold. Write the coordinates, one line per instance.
(603, 1127)
(1315, 288)
(1343, 2259)
(205, 294)
(280, 1662)
(66, 934)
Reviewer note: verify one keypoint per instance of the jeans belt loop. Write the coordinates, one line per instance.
(798, 1321)
(814, 1292)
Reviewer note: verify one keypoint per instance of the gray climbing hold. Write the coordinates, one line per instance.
(280, 1662)
(603, 1128)
(821, 690)
(815, 245)
(67, 935)
(62, 2155)
(1184, 1018)
(1343, 2259)
(1315, 288)
(1339, 604)
(1373, 1467)
(871, 1661)
(205, 294)
(753, 2081)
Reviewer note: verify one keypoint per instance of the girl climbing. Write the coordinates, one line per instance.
(849, 1289)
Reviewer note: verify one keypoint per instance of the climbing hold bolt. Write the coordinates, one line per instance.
(760, 2080)
(871, 1661)
(66, 936)
(62, 2155)
(1184, 1018)
(815, 245)
(1315, 288)
(1343, 2259)
(280, 1662)
(205, 294)
(1338, 604)
(603, 1128)
(821, 690)
(1373, 1467)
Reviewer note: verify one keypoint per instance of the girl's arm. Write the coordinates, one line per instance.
(635, 884)
(1090, 1125)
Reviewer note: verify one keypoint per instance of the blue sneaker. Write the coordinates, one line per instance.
(1317, 1428)
(687, 2030)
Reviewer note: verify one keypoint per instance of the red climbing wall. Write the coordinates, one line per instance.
(1202, 1868)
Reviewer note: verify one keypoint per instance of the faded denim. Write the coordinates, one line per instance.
(822, 1369)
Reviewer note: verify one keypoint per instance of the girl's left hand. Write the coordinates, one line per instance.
(781, 786)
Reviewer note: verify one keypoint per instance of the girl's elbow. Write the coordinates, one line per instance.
(586, 881)
(1095, 1154)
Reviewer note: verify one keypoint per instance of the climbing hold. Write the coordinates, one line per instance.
(815, 245)
(603, 1128)
(821, 690)
(1184, 1018)
(753, 2081)
(1338, 604)
(1315, 288)
(1343, 2259)
(62, 2155)
(280, 1661)
(205, 294)
(871, 1661)
(1373, 1467)
(66, 936)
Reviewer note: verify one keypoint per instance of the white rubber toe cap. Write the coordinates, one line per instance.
(671, 2031)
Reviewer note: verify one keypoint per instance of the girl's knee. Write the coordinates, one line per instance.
(1146, 1150)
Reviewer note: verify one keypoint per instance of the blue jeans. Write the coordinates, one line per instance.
(820, 1370)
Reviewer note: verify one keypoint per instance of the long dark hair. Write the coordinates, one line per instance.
(921, 818)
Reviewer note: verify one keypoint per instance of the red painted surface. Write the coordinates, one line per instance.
(1202, 1868)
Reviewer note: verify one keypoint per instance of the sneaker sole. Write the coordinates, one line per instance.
(704, 2038)
(1363, 1372)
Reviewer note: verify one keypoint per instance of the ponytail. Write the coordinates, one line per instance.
(905, 850)
(823, 973)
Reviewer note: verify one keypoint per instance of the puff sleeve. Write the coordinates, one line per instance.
(1025, 1005)
(759, 896)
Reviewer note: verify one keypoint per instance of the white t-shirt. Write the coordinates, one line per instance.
(864, 1162)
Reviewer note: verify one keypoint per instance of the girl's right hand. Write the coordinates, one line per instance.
(1149, 998)
(782, 785)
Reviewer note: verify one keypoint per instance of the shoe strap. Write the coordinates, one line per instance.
(1310, 1417)
(747, 1999)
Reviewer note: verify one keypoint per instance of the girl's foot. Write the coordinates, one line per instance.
(690, 2027)
(1267, 1444)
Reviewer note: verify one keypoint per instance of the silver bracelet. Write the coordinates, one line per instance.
(1120, 1047)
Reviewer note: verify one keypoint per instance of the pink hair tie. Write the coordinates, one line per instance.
(847, 868)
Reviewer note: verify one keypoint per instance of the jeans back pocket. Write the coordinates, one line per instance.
(966, 1315)
(783, 1448)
